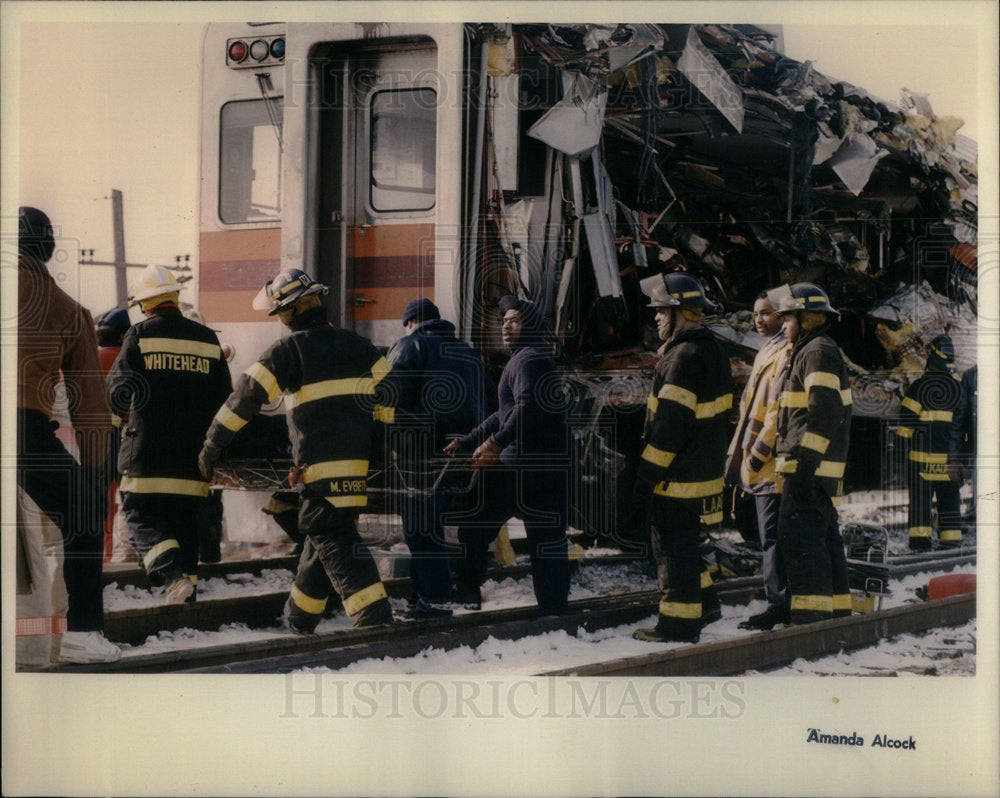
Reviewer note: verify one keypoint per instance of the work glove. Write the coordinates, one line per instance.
(486, 454)
(754, 463)
(208, 458)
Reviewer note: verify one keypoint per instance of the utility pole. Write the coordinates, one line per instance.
(120, 264)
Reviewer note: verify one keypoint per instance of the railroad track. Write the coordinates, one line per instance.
(336, 649)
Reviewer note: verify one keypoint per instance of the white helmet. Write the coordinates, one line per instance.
(154, 281)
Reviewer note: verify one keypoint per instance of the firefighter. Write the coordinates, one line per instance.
(814, 422)
(681, 467)
(336, 385)
(751, 454)
(169, 379)
(56, 340)
(522, 453)
(441, 388)
(926, 423)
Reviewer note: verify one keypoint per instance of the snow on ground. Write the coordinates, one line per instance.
(941, 652)
(556, 650)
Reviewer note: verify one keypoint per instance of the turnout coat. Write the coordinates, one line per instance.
(814, 412)
(687, 424)
(169, 379)
(335, 386)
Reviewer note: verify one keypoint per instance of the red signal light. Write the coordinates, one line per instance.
(237, 51)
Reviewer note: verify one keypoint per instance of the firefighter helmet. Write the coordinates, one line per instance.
(287, 288)
(34, 233)
(675, 289)
(808, 297)
(154, 281)
(941, 353)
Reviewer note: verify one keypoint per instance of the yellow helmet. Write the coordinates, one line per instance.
(153, 281)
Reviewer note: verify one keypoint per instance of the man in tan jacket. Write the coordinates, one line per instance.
(56, 339)
(751, 454)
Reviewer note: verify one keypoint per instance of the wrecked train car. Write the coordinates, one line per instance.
(565, 163)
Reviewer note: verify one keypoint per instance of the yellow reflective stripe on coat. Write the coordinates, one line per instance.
(116, 421)
(334, 469)
(712, 518)
(674, 393)
(706, 579)
(385, 415)
(265, 379)
(841, 601)
(230, 420)
(178, 487)
(313, 606)
(950, 535)
(815, 442)
(928, 457)
(711, 409)
(911, 404)
(821, 379)
(380, 370)
(657, 456)
(937, 415)
(346, 386)
(157, 551)
(689, 490)
(905, 432)
(827, 468)
(815, 603)
(653, 404)
(355, 603)
(677, 609)
(921, 531)
(793, 399)
(180, 346)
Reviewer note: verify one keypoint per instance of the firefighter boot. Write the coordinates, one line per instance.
(300, 621)
(179, 591)
(768, 619)
(671, 630)
(378, 613)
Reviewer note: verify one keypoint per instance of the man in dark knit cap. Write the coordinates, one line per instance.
(522, 450)
(441, 391)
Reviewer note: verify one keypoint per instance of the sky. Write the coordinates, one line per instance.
(114, 104)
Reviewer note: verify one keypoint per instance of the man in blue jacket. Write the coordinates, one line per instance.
(441, 385)
(522, 451)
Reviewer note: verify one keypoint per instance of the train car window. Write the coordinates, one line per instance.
(249, 163)
(403, 147)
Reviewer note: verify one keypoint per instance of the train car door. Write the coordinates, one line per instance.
(376, 192)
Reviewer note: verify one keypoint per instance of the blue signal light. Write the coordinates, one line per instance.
(278, 48)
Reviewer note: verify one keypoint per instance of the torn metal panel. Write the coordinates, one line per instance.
(855, 161)
(574, 124)
(700, 67)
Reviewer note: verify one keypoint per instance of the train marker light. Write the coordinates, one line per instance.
(237, 51)
(259, 50)
(278, 48)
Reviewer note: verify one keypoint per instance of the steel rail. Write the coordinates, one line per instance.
(768, 650)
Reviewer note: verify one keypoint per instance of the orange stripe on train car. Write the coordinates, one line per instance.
(392, 240)
(230, 306)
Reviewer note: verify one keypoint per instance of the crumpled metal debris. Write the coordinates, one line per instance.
(728, 159)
